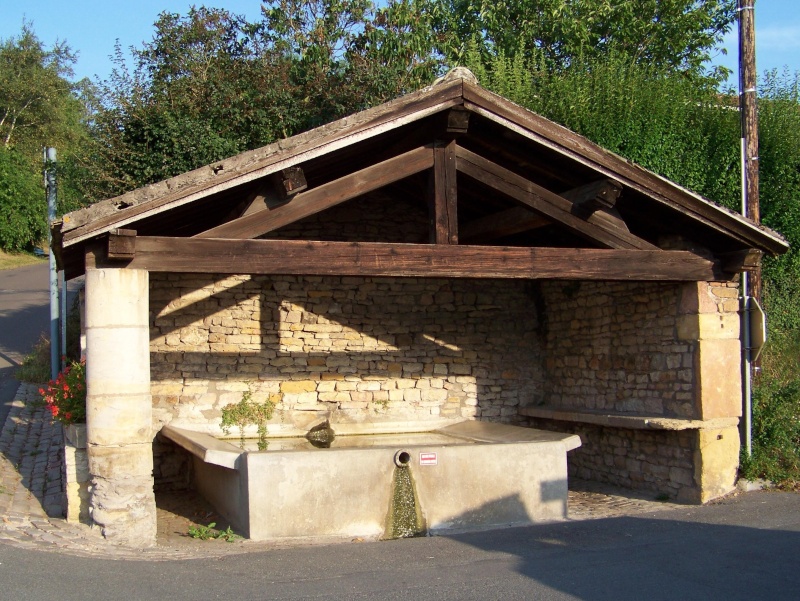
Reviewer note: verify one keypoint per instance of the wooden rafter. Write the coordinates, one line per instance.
(537, 128)
(748, 259)
(594, 197)
(325, 196)
(545, 202)
(194, 255)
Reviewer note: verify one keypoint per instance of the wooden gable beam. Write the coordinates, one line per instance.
(546, 202)
(121, 245)
(325, 196)
(457, 120)
(303, 257)
(443, 195)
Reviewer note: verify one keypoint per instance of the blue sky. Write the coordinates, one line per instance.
(92, 27)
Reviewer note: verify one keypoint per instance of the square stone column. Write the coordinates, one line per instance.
(709, 321)
(118, 405)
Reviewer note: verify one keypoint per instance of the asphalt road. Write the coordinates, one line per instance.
(24, 317)
(745, 548)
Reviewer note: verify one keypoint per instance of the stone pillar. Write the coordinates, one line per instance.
(709, 321)
(118, 405)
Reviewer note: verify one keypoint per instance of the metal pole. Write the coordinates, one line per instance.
(746, 426)
(62, 292)
(747, 370)
(50, 187)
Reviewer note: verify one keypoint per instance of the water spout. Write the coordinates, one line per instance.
(405, 517)
(402, 458)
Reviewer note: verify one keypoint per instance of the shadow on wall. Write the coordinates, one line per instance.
(377, 347)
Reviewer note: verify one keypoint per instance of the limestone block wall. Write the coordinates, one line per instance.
(350, 348)
(658, 461)
(613, 347)
(655, 349)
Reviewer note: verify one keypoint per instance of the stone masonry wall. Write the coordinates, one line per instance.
(362, 219)
(351, 348)
(616, 347)
(612, 347)
(626, 348)
(659, 461)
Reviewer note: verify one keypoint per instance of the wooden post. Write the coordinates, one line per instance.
(749, 123)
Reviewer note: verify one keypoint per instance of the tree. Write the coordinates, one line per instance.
(22, 203)
(675, 35)
(39, 107)
(36, 99)
(210, 84)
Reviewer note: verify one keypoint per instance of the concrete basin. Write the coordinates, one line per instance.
(467, 476)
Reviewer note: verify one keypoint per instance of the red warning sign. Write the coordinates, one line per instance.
(428, 459)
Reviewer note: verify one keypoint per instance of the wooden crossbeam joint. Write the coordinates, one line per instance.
(595, 196)
(748, 259)
(458, 120)
(289, 182)
(121, 245)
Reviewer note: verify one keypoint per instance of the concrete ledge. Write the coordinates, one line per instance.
(632, 422)
(206, 447)
(503, 433)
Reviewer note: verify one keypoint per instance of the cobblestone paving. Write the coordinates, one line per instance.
(32, 501)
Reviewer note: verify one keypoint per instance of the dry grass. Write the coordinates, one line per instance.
(13, 260)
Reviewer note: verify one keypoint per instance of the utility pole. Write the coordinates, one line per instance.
(749, 123)
(751, 283)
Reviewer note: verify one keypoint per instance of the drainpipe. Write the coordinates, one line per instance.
(746, 425)
(50, 188)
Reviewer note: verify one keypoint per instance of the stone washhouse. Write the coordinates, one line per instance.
(447, 255)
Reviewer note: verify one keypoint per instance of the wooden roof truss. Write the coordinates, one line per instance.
(496, 181)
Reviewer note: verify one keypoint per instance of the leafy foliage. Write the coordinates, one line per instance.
(35, 366)
(209, 532)
(776, 415)
(39, 107)
(673, 35)
(22, 202)
(248, 413)
(680, 128)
